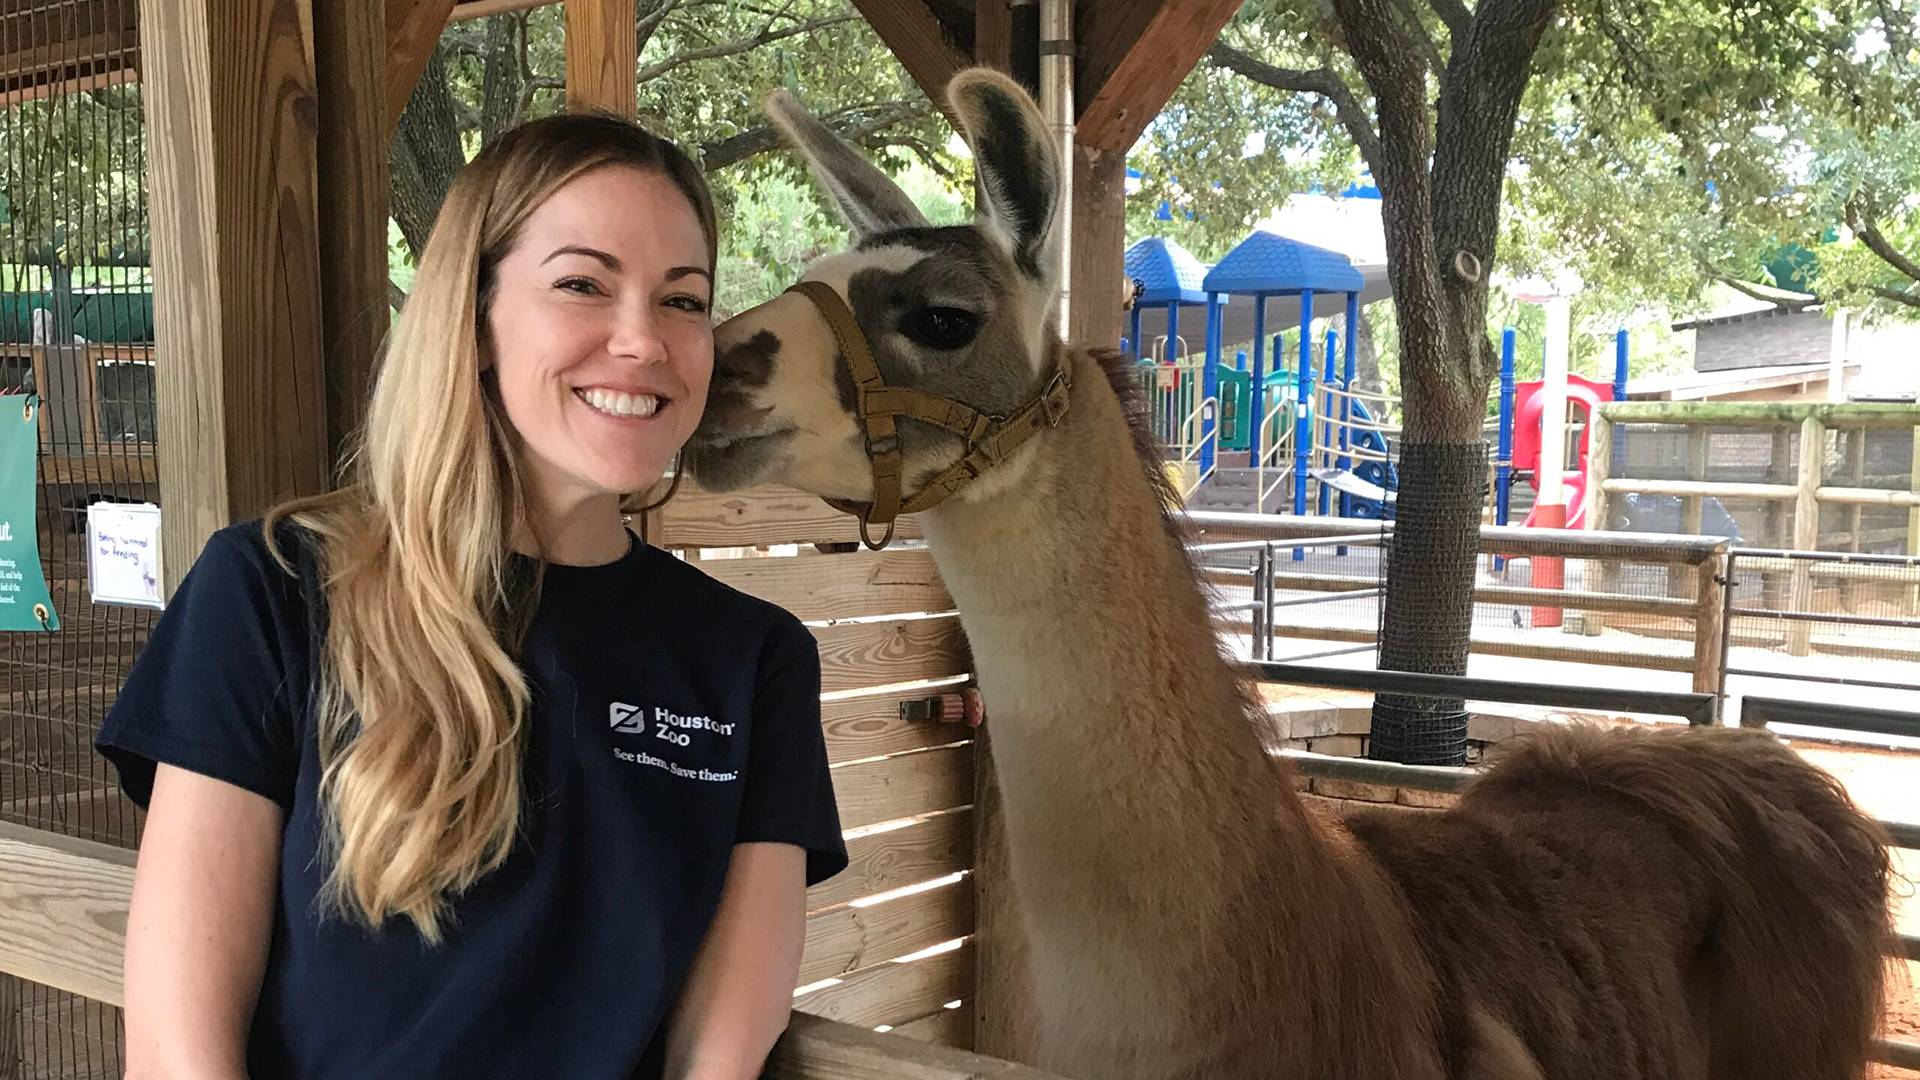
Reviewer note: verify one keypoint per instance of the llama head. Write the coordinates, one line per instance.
(960, 312)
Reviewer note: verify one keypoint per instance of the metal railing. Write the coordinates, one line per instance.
(1825, 619)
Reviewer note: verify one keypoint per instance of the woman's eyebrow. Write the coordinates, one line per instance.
(679, 272)
(606, 260)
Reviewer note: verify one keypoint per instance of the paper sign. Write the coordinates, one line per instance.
(24, 601)
(123, 554)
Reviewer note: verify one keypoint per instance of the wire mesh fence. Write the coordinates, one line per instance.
(76, 318)
(1824, 625)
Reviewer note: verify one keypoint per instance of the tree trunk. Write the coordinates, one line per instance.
(1427, 616)
(426, 153)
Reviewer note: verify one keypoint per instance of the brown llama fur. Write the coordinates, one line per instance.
(1603, 904)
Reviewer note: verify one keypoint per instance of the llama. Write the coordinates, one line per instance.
(1601, 905)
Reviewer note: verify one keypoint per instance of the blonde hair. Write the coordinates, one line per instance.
(422, 707)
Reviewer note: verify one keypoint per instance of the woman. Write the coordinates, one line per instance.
(447, 774)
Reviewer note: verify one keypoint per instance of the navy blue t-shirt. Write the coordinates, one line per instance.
(673, 717)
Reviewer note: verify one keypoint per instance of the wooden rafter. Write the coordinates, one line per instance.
(1136, 54)
(916, 37)
(413, 27)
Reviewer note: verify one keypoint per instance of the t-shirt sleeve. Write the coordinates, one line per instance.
(211, 692)
(789, 794)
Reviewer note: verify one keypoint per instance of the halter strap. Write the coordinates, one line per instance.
(989, 440)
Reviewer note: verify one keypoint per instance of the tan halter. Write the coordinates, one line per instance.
(989, 439)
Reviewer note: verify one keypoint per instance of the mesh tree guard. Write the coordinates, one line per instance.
(1427, 619)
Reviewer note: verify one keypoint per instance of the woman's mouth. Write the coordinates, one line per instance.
(621, 406)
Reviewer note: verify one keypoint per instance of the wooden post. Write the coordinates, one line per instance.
(230, 108)
(350, 60)
(603, 55)
(1709, 622)
(1806, 530)
(1771, 591)
(1098, 249)
(1599, 466)
(1692, 507)
(1857, 471)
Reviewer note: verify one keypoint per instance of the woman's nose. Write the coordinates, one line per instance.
(636, 335)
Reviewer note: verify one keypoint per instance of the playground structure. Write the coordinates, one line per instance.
(1333, 449)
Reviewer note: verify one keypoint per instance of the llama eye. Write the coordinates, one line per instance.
(939, 327)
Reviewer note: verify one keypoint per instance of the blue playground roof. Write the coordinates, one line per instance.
(1170, 271)
(1267, 262)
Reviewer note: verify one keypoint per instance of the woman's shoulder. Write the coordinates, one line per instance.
(720, 600)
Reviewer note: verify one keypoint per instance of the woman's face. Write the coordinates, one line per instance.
(600, 336)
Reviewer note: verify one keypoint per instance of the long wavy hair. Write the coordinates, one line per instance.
(422, 704)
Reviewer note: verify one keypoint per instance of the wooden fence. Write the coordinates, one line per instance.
(1806, 494)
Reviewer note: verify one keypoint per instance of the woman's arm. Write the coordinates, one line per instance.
(199, 926)
(740, 991)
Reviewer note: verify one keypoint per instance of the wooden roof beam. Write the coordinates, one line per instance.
(1136, 54)
(909, 29)
(413, 28)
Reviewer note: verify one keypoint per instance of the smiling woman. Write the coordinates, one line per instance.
(448, 774)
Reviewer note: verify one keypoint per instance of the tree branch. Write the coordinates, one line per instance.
(1321, 81)
(1455, 14)
(1870, 235)
(1479, 106)
(1417, 30)
(1907, 298)
(854, 124)
(740, 45)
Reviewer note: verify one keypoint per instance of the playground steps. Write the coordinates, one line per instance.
(1235, 489)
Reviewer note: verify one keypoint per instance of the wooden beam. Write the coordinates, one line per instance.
(480, 9)
(63, 911)
(918, 41)
(1137, 53)
(413, 28)
(230, 106)
(44, 44)
(993, 34)
(1098, 247)
(815, 1048)
(351, 61)
(603, 55)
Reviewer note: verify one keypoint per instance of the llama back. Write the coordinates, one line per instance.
(1789, 962)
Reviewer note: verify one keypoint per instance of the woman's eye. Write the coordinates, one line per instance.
(692, 304)
(939, 327)
(583, 286)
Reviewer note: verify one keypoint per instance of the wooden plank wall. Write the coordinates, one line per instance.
(888, 940)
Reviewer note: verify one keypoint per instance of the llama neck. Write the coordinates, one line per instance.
(1138, 796)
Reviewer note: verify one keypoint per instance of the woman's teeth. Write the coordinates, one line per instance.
(615, 404)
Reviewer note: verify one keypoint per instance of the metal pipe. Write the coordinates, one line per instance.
(1056, 104)
(1697, 708)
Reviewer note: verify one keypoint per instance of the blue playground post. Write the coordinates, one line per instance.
(1210, 385)
(1621, 357)
(1352, 371)
(1303, 418)
(1239, 359)
(1330, 420)
(1134, 326)
(1173, 337)
(1257, 397)
(1503, 454)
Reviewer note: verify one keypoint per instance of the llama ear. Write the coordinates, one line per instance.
(1017, 164)
(869, 200)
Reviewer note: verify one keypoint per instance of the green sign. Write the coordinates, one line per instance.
(24, 603)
